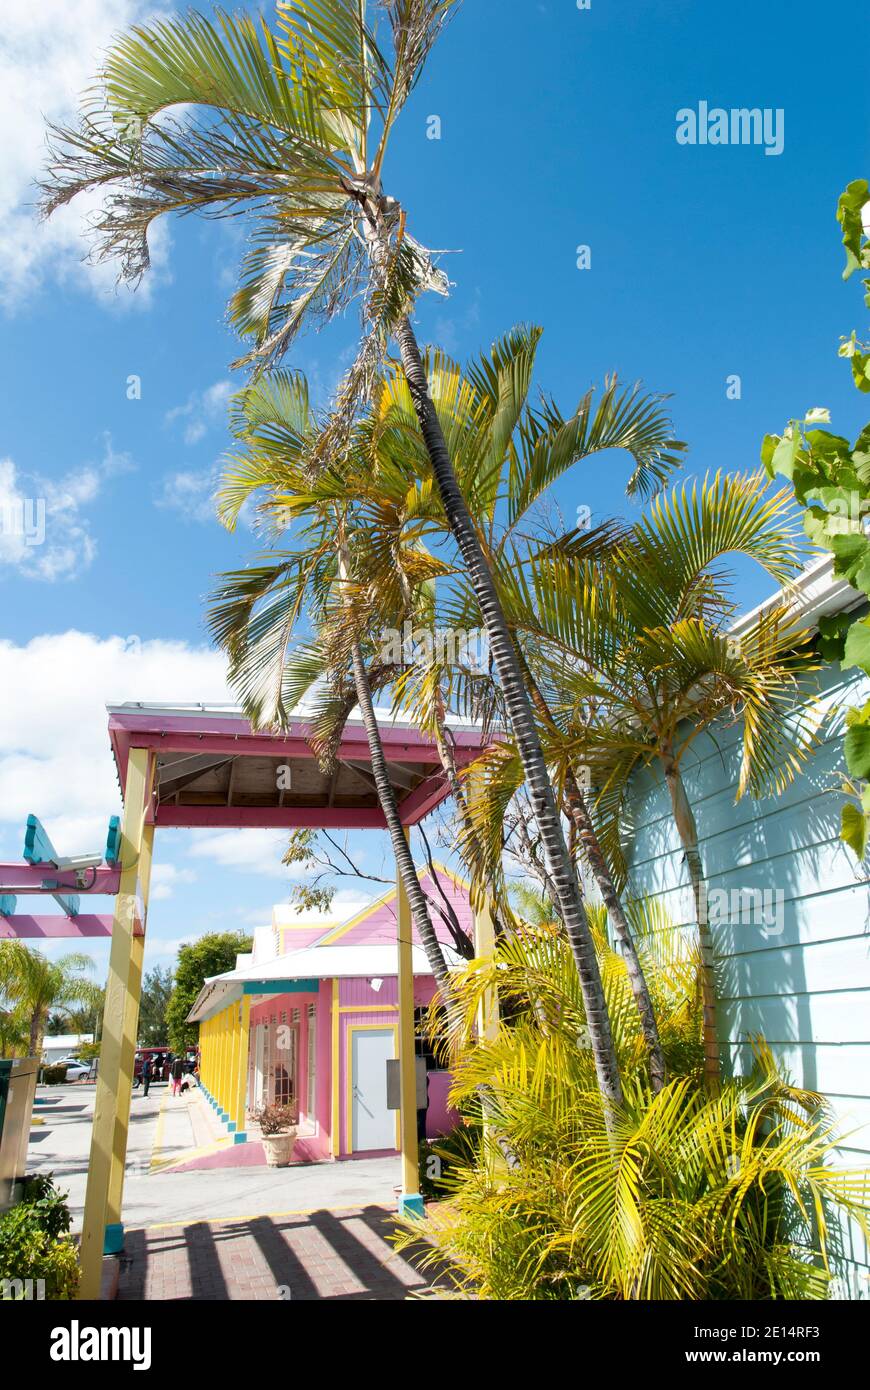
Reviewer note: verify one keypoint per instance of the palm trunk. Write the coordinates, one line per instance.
(684, 818)
(582, 822)
(601, 873)
(519, 710)
(401, 849)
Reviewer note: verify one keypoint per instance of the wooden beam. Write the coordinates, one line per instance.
(25, 926)
(333, 782)
(170, 781)
(137, 799)
(361, 772)
(400, 777)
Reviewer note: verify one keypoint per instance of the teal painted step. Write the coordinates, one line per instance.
(113, 1241)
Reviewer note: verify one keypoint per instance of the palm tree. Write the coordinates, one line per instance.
(291, 128)
(694, 1196)
(37, 987)
(506, 454)
(641, 658)
(256, 612)
(14, 1033)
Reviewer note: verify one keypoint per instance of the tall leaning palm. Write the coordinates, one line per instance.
(257, 612)
(506, 453)
(290, 127)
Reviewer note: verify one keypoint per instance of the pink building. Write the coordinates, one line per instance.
(322, 1023)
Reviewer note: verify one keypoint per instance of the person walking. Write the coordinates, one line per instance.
(176, 1072)
(146, 1075)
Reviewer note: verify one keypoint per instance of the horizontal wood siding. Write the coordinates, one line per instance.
(800, 973)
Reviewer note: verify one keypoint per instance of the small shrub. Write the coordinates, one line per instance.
(275, 1119)
(55, 1074)
(35, 1243)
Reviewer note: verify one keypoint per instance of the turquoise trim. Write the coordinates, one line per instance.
(411, 1204)
(7, 904)
(113, 840)
(231, 1126)
(113, 1240)
(240, 1137)
(281, 987)
(38, 849)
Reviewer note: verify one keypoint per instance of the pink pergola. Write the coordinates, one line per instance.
(201, 766)
(213, 770)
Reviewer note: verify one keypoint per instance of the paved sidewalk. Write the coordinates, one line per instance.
(302, 1256)
(155, 1193)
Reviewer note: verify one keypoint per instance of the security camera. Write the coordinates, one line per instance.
(78, 861)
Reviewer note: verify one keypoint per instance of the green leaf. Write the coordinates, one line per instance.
(768, 449)
(857, 653)
(853, 829)
(861, 370)
(849, 207)
(857, 748)
(786, 452)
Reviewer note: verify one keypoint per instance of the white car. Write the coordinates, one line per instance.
(75, 1069)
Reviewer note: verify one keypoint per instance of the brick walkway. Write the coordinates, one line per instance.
(315, 1255)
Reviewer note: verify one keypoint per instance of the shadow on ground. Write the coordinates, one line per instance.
(316, 1255)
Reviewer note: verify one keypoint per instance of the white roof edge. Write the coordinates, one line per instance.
(194, 708)
(815, 592)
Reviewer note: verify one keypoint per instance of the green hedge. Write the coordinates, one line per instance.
(35, 1244)
(54, 1075)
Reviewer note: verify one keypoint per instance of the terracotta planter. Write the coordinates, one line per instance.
(279, 1148)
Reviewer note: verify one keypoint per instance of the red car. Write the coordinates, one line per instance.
(159, 1062)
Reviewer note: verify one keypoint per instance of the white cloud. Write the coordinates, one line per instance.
(202, 410)
(44, 531)
(190, 492)
(165, 878)
(54, 749)
(50, 54)
(253, 851)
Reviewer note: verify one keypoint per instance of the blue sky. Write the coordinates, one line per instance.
(557, 131)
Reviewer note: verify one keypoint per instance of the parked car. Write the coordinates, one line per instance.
(76, 1070)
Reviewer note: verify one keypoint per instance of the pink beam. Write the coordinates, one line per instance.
(29, 878)
(270, 817)
(423, 799)
(87, 924)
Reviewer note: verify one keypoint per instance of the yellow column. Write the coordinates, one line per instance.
(484, 945)
(410, 1202)
(226, 1058)
(243, 1015)
(334, 1138)
(136, 793)
(115, 1233)
(232, 1077)
(221, 1057)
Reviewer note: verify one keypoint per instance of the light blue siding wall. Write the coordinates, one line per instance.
(801, 975)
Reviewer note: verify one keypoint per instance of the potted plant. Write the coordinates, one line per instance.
(278, 1128)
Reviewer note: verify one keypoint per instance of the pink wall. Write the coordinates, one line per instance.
(379, 925)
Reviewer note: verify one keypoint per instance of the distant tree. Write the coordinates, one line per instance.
(40, 988)
(153, 1006)
(14, 1033)
(210, 955)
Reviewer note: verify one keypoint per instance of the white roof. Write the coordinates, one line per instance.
(63, 1042)
(376, 961)
(811, 595)
(337, 962)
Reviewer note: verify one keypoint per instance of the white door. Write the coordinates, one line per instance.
(373, 1125)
